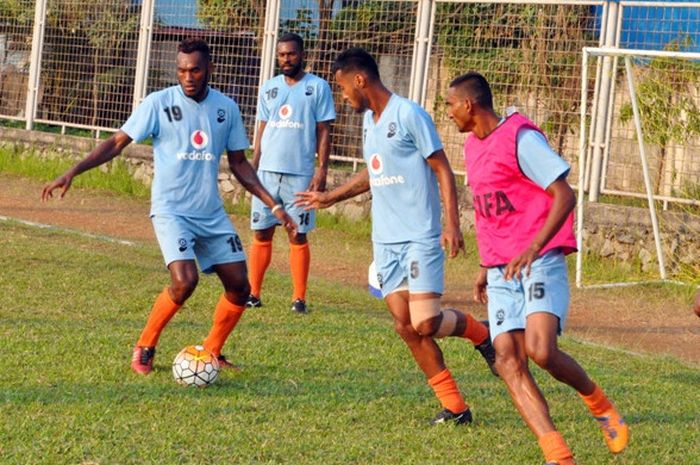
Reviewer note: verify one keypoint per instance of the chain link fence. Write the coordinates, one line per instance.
(66, 63)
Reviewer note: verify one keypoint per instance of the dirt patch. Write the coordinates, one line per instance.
(625, 317)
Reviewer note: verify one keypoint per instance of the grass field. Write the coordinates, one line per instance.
(334, 387)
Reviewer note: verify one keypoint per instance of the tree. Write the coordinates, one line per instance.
(232, 15)
(87, 74)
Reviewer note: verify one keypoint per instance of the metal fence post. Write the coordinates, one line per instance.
(35, 63)
(603, 100)
(267, 56)
(144, 51)
(421, 50)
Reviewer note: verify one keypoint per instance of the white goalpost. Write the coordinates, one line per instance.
(654, 142)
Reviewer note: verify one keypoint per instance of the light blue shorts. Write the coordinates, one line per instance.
(283, 188)
(420, 265)
(545, 290)
(211, 241)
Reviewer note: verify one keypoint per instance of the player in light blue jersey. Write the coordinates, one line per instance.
(295, 111)
(408, 173)
(192, 125)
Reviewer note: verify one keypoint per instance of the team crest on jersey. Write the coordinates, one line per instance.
(309, 90)
(392, 130)
(285, 111)
(375, 165)
(199, 139)
(220, 115)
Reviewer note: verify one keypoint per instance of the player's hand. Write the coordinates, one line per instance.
(63, 182)
(515, 268)
(452, 241)
(480, 283)
(313, 199)
(286, 220)
(318, 182)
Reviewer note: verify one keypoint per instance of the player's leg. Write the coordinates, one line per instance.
(263, 224)
(299, 252)
(547, 289)
(259, 261)
(512, 364)
(176, 241)
(506, 307)
(426, 272)
(429, 358)
(392, 272)
(229, 308)
(219, 250)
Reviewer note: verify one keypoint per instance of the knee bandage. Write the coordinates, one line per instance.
(422, 310)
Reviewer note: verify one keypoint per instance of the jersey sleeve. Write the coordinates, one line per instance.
(325, 108)
(263, 113)
(422, 131)
(143, 122)
(537, 160)
(237, 137)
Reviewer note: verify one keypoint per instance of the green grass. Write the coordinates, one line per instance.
(113, 176)
(334, 387)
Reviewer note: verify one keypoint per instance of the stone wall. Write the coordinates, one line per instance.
(613, 231)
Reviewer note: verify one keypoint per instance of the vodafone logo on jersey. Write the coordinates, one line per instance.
(285, 111)
(375, 165)
(199, 139)
(376, 168)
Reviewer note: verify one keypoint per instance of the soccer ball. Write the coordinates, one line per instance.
(195, 366)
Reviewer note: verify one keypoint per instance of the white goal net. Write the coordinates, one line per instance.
(638, 216)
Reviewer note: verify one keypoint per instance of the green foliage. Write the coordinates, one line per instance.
(16, 13)
(527, 52)
(379, 26)
(334, 387)
(114, 176)
(97, 38)
(666, 99)
(232, 15)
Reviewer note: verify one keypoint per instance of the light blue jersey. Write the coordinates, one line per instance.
(537, 160)
(288, 143)
(405, 195)
(188, 141)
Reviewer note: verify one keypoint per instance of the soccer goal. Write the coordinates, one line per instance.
(638, 212)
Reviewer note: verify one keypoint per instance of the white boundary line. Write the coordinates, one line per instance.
(68, 230)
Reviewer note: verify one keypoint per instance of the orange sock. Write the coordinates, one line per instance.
(163, 310)
(476, 331)
(446, 390)
(554, 448)
(597, 401)
(226, 316)
(260, 257)
(299, 260)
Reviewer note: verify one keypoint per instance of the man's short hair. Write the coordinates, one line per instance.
(356, 59)
(292, 37)
(195, 44)
(476, 87)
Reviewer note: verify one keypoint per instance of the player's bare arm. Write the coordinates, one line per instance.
(480, 283)
(452, 239)
(357, 185)
(564, 202)
(323, 149)
(257, 151)
(245, 174)
(103, 153)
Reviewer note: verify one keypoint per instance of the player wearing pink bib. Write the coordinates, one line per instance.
(524, 226)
